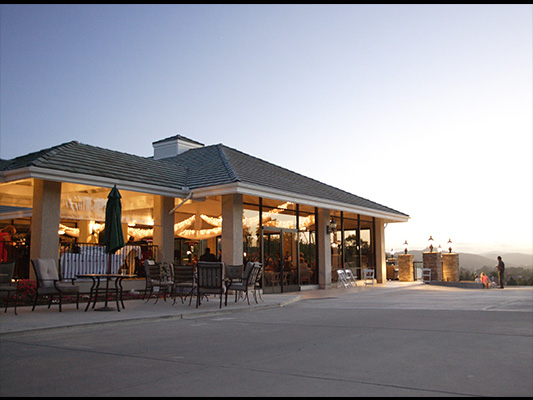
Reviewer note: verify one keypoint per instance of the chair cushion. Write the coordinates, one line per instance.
(46, 271)
(65, 287)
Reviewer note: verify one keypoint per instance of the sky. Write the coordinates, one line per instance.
(426, 109)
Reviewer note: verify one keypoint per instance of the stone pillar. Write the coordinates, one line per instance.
(433, 261)
(45, 221)
(232, 231)
(450, 267)
(324, 249)
(164, 228)
(406, 267)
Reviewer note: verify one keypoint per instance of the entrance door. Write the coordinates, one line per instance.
(280, 258)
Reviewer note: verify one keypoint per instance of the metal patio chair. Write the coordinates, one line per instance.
(369, 276)
(210, 280)
(6, 284)
(49, 284)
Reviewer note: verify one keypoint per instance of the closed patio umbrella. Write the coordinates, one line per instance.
(113, 236)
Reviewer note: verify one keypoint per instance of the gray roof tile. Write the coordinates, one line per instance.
(196, 168)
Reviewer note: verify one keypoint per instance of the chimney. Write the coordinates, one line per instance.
(173, 146)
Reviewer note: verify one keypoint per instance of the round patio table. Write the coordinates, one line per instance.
(95, 288)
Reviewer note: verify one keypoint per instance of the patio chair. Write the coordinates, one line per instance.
(157, 277)
(350, 277)
(210, 280)
(426, 275)
(234, 273)
(247, 283)
(183, 282)
(342, 280)
(6, 285)
(49, 284)
(368, 275)
(257, 287)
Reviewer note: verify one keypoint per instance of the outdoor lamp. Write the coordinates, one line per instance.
(450, 245)
(391, 253)
(331, 227)
(405, 246)
(439, 249)
(430, 240)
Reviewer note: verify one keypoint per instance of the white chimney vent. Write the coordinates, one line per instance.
(173, 146)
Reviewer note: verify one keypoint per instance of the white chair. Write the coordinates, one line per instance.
(369, 276)
(342, 280)
(351, 277)
(426, 275)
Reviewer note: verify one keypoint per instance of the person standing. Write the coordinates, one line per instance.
(6, 235)
(208, 256)
(501, 268)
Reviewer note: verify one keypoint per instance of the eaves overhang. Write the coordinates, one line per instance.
(93, 180)
(261, 191)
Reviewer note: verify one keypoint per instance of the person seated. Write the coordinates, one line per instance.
(477, 279)
(485, 281)
(208, 256)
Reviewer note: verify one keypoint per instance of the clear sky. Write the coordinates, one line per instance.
(426, 109)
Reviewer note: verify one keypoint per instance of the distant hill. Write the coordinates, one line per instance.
(476, 261)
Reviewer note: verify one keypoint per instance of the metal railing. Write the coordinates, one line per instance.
(78, 258)
(91, 258)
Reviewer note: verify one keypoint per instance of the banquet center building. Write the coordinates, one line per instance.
(189, 196)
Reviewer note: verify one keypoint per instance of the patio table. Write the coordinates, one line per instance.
(95, 288)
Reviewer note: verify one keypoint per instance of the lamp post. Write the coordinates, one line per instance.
(450, 245)
(405, 244)
(430, 240)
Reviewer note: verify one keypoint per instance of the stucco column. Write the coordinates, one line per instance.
(324, 249)
(85, 231)
(232, 231)
(381, 258)
(164, 228)
(45, 221)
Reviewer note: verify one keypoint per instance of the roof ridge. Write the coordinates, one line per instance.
(53, 151)
(226, 163)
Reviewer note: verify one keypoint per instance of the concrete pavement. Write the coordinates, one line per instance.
(397, 339)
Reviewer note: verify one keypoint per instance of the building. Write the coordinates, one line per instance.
(189, 196)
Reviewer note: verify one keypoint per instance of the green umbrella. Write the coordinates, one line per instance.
(113, 237)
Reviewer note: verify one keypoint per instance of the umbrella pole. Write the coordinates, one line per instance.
(105, 307)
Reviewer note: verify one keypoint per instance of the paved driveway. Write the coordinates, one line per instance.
(389, 340)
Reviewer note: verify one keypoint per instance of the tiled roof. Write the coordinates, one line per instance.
(78, 158)
(201, 167)
(219, 164)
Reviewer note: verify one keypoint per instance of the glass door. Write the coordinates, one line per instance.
(281, 260)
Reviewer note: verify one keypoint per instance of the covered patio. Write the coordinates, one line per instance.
(188, 197)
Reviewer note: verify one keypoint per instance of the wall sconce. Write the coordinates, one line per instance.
(331, 227)
(430, 240)
(450, 245)
(405, 246)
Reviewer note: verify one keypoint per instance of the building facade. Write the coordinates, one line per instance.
(189, 196)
